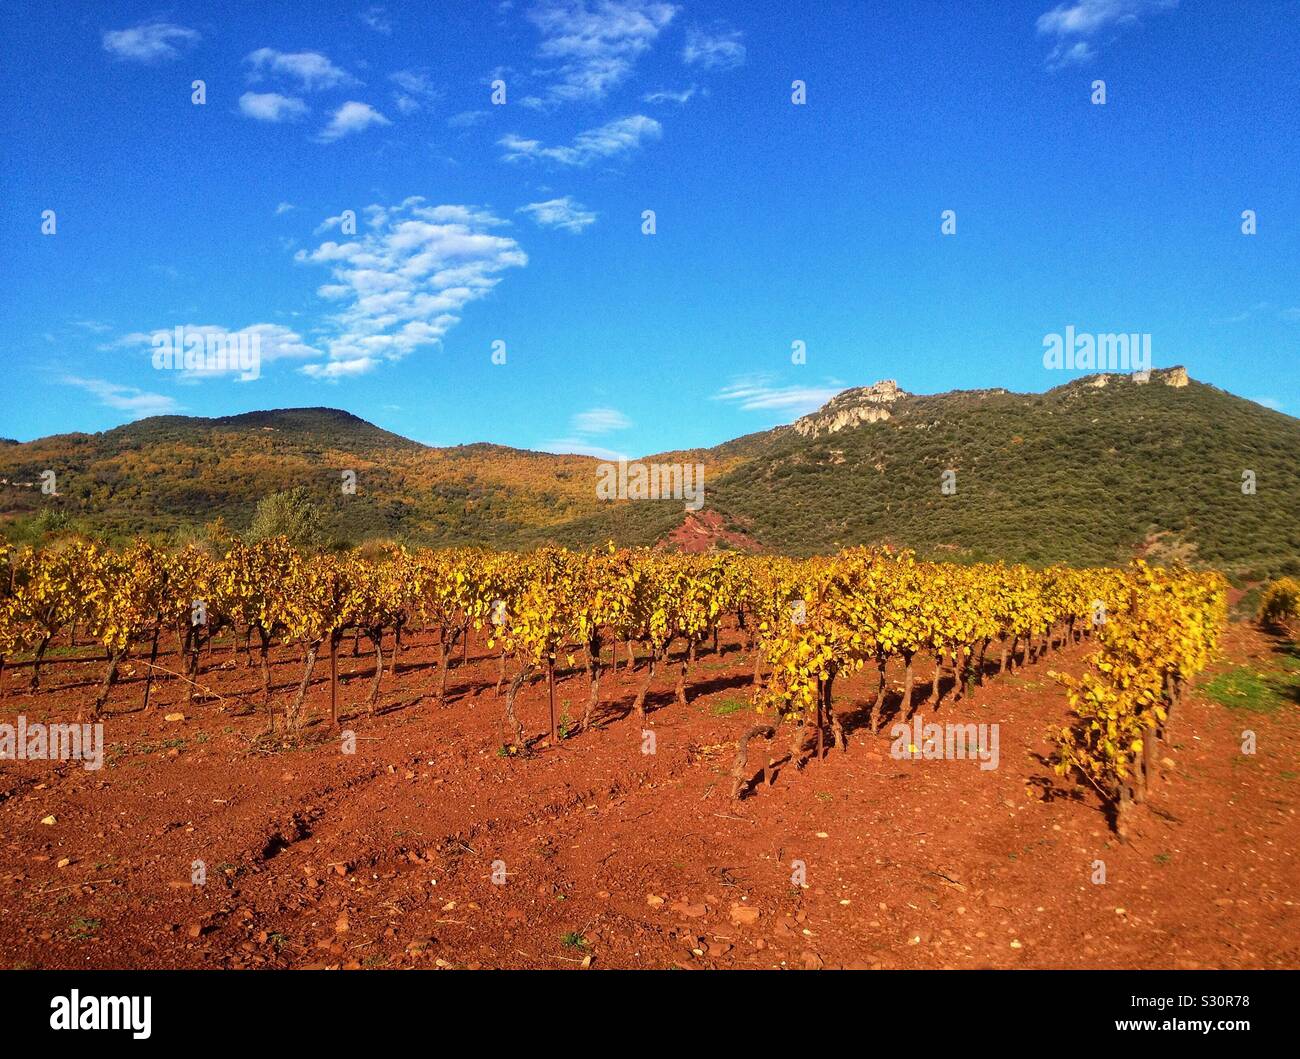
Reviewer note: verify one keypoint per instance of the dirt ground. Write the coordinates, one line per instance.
(384, 858)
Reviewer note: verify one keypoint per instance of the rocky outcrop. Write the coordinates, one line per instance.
(862, 404)
(1175, 376)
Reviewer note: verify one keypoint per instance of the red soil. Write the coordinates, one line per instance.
(384, 858)
(705, 532)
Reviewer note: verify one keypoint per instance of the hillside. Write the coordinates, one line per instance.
(160, 474)
(1093, 471)
(1096, 470)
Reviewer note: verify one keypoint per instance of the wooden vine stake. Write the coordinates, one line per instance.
(334, 680)
(550, 691)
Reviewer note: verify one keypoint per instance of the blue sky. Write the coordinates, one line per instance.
(522, 223)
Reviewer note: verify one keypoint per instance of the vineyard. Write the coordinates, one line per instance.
(557, 615)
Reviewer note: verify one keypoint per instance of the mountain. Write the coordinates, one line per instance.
(164, 473)
(1097, 470)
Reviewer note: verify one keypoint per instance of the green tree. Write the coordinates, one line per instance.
(291, 514)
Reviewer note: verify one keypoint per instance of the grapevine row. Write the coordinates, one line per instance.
(806, 623)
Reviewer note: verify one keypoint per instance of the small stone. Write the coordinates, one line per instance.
(50, 820)
(743, 915)
(174, 717)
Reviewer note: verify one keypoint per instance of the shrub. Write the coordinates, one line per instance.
(1279, 604)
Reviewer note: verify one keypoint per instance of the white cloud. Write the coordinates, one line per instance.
(415, 90)
(349, 118)
(404, 283)
(378, 19)
(466, 118)
(666, 96)
(596, 44)
(124, 398)
(1269, 402)
(333, 370)
(414, 81)
(599, 421)
(585, 425)
(1248, 313)
(1087, 17)
(271, 106)
(719, 50)
(272, 342)
(327, 224)
(566, 213)
(284, 207)
(758, 394)
(149, 41)
(617, 137)
(470, 216)
(580, 447)
(312, 70)
(1077, 54)
(1075, 24)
